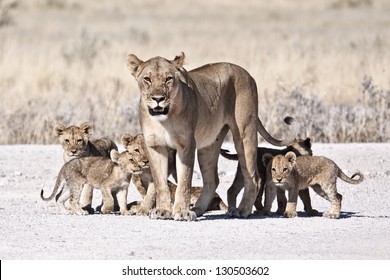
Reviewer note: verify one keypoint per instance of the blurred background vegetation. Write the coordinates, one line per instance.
(326, 63)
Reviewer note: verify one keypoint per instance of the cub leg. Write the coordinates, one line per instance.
(270, 194)
(234, 190)
(108, 201)
(86, 198)
(75, 192)
(291, 207)
(121, 195)
(282, 202)
(304, 195)
(329, 192)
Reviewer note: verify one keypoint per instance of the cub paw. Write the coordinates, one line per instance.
(160, 214)
(290, 214)
(331, 215)
(312, 213)
(184, 216)
(143, 211)
(262, 212)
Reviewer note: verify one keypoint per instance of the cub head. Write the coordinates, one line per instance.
(301, 147)
(279, 167)
(74, 139)
(126, 162)
(159, 81)
(135, 145)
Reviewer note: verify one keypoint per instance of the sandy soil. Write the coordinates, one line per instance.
(32, 229)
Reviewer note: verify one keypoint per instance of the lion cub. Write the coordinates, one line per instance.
(294, 173)
(76, 142)
(298, 146)
(135, 145)
(105, 174)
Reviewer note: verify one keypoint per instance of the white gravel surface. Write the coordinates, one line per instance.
(32, 229)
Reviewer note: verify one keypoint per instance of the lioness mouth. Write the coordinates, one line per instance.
(158, 111)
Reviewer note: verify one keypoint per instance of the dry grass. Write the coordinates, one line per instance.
(65, 61)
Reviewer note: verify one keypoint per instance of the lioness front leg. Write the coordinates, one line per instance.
(185, 166)
(158, 159)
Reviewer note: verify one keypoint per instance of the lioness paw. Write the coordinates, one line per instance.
(184, 216)
(313, 213)
(263, 212)
(233, 213)
(143, 211)
(160, 214)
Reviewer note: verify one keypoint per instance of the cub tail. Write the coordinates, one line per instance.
(351, 180)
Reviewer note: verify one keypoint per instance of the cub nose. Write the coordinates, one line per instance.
(73, 151)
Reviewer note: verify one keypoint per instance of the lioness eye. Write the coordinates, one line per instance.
(147, 80)
(136, 151)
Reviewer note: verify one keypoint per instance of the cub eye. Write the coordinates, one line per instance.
(80, 141)
(132, 160)
(67, 141)
(273, 169)
(285, 170)
(147, 80)
(169, 79)
(136, 151)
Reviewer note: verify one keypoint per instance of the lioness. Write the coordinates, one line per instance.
(300, 147)
(101, 173)
(76, 142)
(294, 173)
(195, 110)
(143, 181)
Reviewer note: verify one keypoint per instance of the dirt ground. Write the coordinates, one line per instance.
(33, 230)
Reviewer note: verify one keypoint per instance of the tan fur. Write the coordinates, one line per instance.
(99, 172)
(300, 147)
(293, 173)
(76, 142)
(195, 110)
(135, 145)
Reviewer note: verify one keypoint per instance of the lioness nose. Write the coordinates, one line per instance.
(158, 99)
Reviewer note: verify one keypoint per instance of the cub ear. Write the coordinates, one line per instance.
(307, 142)
(133, 63)
(59, 129)
(266, 158)
(178, 61)
(87, 128)
(114, 155)
(127, 139)
(292, 157)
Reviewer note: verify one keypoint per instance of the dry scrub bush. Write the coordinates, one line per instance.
(365, 120)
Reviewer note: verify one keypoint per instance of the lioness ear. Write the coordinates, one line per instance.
(292, 157)
(126, 139)
(266, 158)
(114, 155)
(59, 129)
(87, 128)
(178, 61)
(133, 64)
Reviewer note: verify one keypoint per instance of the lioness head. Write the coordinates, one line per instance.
(279, 167)
(158, 80)
(135, 145)
(126, 162)
(74, 139)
